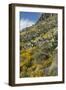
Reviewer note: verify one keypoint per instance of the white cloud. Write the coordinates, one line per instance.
(25, 23)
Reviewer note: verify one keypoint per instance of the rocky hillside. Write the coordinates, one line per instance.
(38, 48)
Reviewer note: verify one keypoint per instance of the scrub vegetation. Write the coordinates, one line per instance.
(38, 48)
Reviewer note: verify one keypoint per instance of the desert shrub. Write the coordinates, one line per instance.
(48, 62)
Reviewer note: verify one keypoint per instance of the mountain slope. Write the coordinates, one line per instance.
(38, 43)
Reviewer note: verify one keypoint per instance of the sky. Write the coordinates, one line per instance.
(27, 19)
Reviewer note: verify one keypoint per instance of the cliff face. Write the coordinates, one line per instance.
(38, 45)
(45, 16)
